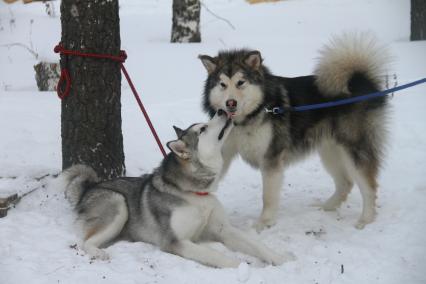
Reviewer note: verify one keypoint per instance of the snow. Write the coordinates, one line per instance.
(38, 239)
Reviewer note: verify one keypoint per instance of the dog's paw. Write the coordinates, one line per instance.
(263, 224)
(361, 224)
(230, 263)
(365, 220)
(99, 254)
(279, 259)
(289, 256)
(329, 205)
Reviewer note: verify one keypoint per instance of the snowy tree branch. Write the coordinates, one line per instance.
(9, 45)
(217, 16)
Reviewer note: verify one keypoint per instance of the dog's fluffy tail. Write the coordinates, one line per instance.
(76, 179)
(350, 61)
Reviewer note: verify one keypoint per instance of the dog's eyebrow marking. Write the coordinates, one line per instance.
(237, 76)
(196, 127)
(224, 78)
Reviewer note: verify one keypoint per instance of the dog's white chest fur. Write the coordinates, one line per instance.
(190, 221)
(252, 142)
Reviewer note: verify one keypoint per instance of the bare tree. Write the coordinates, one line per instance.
(186, 21)
(418, 20)
(91, 114)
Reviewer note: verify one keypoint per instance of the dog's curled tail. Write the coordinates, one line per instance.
(76, 179)
(350, 61)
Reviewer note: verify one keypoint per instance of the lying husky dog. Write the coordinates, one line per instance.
(350, 138)
(171, 208)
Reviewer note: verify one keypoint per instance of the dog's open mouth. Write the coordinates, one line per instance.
(222, 132)
(231, 113)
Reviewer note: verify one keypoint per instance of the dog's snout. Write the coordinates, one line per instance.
(231, 103)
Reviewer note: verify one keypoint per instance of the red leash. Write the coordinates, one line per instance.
(65, 78)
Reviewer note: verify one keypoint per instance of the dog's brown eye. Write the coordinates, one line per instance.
(240, 83)
(202, 129)
(223, 85)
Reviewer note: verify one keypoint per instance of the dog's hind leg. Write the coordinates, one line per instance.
(363, 167)
(106, 227)
(332, 157)
(365, 177)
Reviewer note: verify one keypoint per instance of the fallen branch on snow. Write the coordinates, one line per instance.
(10, 201)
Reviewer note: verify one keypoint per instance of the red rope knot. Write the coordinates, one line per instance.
(64, 90)
(64, 85)
(123, 56)
(58, 48)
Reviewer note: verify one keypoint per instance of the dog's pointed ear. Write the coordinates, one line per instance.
(208, 62)
(253, 60)
(179, 132)
(179, 148)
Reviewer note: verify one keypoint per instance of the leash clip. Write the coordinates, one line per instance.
(275, 110)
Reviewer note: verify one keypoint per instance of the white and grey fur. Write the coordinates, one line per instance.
(162, 208)
(350, 139)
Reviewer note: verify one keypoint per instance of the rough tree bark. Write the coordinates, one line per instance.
(186, 21)
(91, 114)
(418, 20)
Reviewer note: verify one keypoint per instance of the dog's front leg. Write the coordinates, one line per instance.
(186, 222)
(219, 229)
(239, 241)
(229, 151)
(203, 254)
(272, 180)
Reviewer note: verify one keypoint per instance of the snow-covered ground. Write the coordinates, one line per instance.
(38, 237)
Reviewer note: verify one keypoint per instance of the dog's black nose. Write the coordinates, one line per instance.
(220, 112)
(231, 103)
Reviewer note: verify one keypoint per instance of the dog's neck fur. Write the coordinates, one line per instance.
(255, 117)
(178, 176)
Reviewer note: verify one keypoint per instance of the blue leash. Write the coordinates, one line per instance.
(281, 110)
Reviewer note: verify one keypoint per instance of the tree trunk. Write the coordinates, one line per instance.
(186, 21)
(91, 114)
(418, 20)
(47, 75)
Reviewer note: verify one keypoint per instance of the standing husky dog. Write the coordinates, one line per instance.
(171, 207)
(350, 138)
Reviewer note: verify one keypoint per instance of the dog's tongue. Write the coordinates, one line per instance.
(222, 132)
(230, 114)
